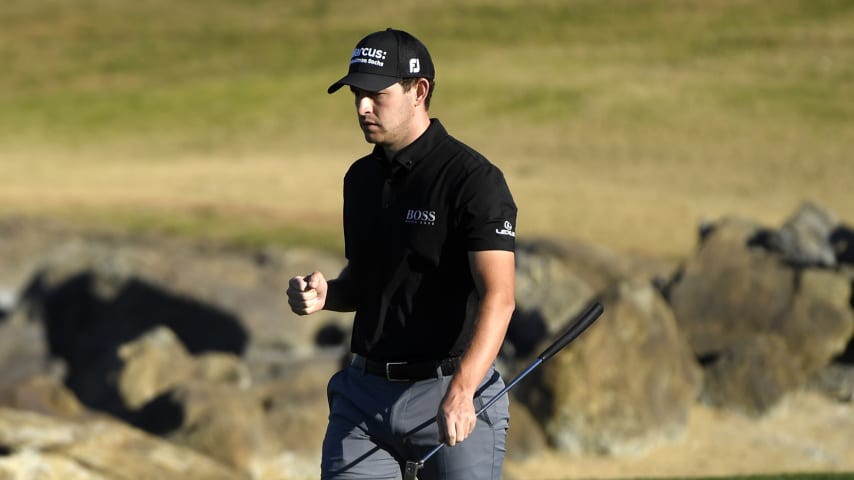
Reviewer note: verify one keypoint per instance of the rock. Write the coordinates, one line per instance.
(598, 266)
(525, 437)
(277, 426)
(842, 241)
(23, 352)
(625, 386)
(805, 237)
(7, 302)
(296, 415)
(222, 422)
(547, 293)
(820, 323)
(153, 364)
(556, 280)
(42, 394)
(210, 296)
(157, 362)
(224, 368)
(751, 375)
(835, 381)
(195, 343)
(296, 406)
(728, 290)
(732, 292)
(90, 303)
(51, 448)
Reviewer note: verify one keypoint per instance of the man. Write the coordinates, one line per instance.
(429, 240)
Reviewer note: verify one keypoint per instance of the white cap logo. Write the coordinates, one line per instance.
(414, 65)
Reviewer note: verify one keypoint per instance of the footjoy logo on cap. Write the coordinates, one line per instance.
(508, 230)
(414, 65)
(371, 56)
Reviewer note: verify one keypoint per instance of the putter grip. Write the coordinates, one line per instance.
(577, 328)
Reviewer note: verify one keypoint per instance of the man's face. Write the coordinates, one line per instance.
(386, 117)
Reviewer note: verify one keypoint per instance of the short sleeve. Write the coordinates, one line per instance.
(487, 212)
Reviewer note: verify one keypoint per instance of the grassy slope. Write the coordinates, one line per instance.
(619, 122)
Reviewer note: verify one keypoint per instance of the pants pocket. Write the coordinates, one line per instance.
(497, 415)
(332, 386)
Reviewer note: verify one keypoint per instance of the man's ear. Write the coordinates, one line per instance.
(422, 88)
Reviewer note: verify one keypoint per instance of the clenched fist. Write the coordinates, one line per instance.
(307, 294)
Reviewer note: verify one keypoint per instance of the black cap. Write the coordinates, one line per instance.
(384, 58)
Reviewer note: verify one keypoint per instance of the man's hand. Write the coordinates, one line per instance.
(307, 294)
(456, 417)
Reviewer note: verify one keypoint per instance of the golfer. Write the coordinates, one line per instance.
(429, 240)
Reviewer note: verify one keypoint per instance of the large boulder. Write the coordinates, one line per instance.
(625, 386)
(735, 290)
(547, 293)
(820, 323)
(296, 414)
(751, 375)
(42, 394)
(92, 297)
(51, 448)
(157, 362)
(728, 289)
(555, 280)
(222, 422)
(525, 437)
(270, 430)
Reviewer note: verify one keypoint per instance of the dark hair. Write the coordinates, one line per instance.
(409, 82)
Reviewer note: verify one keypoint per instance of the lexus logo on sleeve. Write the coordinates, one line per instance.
(508, 230)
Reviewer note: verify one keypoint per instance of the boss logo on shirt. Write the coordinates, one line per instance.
(508, 230)
(421, 217)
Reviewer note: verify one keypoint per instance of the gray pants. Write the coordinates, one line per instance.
(375, 426)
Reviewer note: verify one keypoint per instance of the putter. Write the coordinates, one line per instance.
(577, 328)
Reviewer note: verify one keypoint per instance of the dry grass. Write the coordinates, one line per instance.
(623, 124)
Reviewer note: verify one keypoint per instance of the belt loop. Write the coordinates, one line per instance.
(361, 363)
(439, 372)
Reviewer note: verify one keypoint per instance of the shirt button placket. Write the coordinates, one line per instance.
(387, 194)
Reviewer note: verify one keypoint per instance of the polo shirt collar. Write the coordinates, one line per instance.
(417, 150)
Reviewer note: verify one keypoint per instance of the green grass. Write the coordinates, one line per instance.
(790, 476)
(622, 123)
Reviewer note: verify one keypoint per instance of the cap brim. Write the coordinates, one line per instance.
(364, 81)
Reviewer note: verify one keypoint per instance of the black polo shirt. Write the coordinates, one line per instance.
(409, 223)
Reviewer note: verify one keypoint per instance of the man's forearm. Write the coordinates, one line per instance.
(490, 329)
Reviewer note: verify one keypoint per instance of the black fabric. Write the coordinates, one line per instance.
(409, 223)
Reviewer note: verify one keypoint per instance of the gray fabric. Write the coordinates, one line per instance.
(375, 426)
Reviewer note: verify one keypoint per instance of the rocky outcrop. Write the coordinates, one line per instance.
(193, 352)
(805, 238)
(183, 397)
(626, 387)
(33, 445)
(763, 315)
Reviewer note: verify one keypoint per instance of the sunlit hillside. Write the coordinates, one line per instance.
(622, 123)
